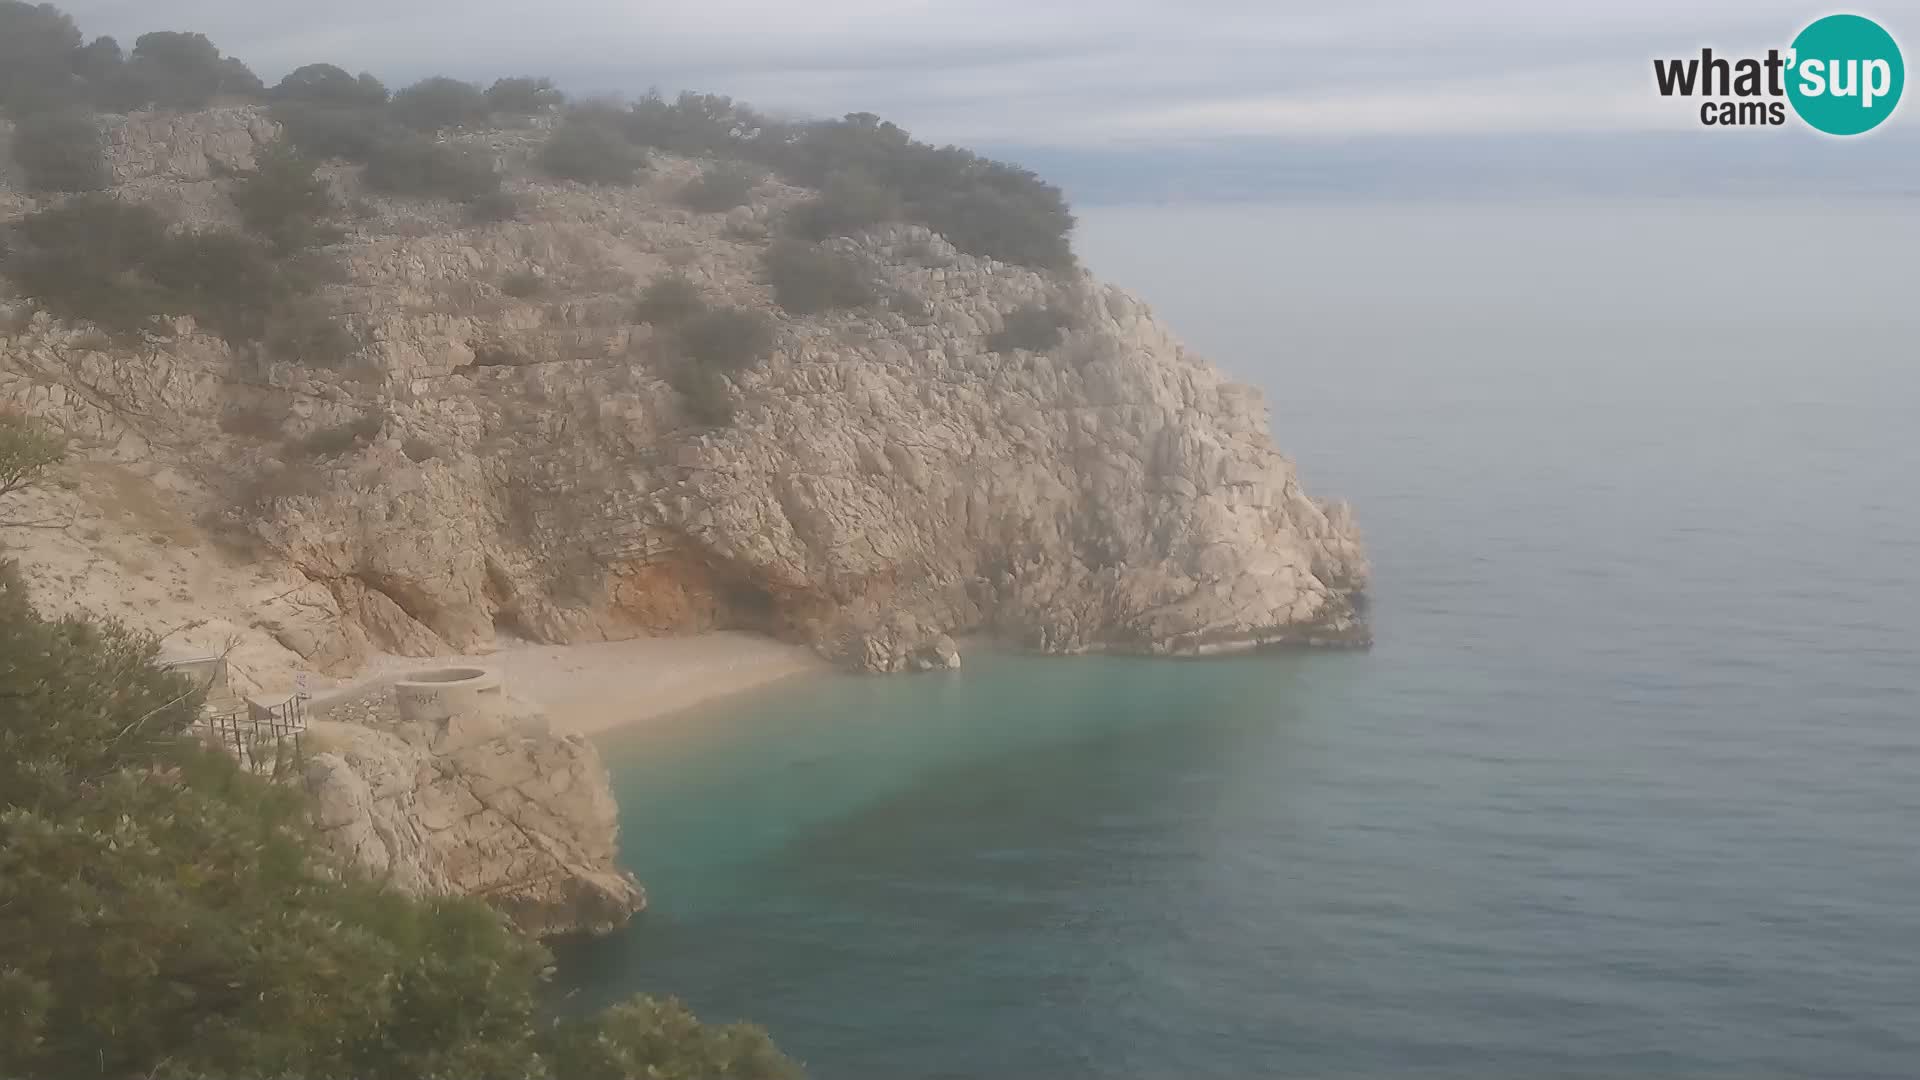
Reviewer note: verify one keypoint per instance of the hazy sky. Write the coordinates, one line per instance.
(1020, 71)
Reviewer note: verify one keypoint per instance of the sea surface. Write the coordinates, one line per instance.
(1629, 786)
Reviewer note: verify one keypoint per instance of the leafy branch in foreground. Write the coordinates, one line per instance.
(163, 914)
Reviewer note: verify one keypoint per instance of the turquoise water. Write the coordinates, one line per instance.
(1626, 787)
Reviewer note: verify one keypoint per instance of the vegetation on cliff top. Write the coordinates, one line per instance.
(867, 170)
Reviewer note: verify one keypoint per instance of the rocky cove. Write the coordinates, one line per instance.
(507, 458)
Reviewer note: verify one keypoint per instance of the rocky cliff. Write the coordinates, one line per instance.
(488, 803)
(526, 468)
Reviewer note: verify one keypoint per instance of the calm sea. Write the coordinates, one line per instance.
(1629, 786)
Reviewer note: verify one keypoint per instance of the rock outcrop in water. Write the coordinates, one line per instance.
(888, 478)
(488, 803)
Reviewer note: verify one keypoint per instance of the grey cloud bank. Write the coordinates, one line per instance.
(1087, 81)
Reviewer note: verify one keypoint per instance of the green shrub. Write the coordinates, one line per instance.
(92, 259)
(133, 855)
(175, 70)
(726, 339)
(1031, 326)
(661, 1040)
(305, 332)
(440, 102)
(523, 284)
(591, 152)
(228, 282)
(722, 187)
(324, 130)
(114, 264)
(27, 450)
(698, 124)
(524, 95)
(808, 279)
(849, 202)
(325, 84)
(36, 41)
(669, 298)
(705, 394)
(416, 167)
(61, 151)
(283, 202)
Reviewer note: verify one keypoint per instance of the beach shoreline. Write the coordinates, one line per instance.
(600, 687)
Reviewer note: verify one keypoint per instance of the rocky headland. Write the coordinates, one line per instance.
(507, 455)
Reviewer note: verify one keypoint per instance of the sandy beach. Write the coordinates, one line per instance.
(592, 688)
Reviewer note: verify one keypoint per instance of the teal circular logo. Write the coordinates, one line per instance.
(1846, 75)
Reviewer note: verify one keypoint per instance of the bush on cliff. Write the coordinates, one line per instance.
(61, 151)
(36, 41)
(808, 279)
(163, 914)
(983, 206)
(669, 298)
(524, 95)
(440, 102)
(849, 201)
(726, 339)
(416, 167)
(284, 202)
(324, 129)
(325, 84)
(722, 187)
(115, 264)
(587, 149)
(173, 70)
(1031, 326)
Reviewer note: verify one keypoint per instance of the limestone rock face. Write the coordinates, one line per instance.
(525, 465)
(186, 146)
(490, 804)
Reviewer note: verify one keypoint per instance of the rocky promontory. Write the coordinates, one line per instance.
(506, 451)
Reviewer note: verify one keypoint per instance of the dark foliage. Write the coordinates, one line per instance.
(174, 70)
(1030, 327)
(493, 208)
(133, 857)
(701, 124)
(726, 339)
(587, 149)
(325, 84)
(115, 264)
(524, 95)
(61, 151)
(667, 299)
(808, 279)
(849, 201)
(722, 187)
(302, 331)
(284, 203)
(871, 171)
(324, 131)
(37, 47)
(440, 102)
(523, 284)
(415, 166)
(705, 394)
